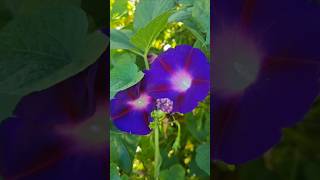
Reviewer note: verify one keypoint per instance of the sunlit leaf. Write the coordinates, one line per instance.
(147, 10)
(144, 36)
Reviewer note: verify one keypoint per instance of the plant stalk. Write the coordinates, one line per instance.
(157, 155)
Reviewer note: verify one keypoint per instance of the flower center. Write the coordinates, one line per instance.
(181, 81)
(140, 103)
(164, 104)
(237, 67)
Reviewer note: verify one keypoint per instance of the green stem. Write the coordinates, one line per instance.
(176, 144)
(146, 62)
(157, 155)
(199, 127)
(136, 52)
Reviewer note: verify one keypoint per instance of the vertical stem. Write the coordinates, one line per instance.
(146, 62)
(157, 155)
(176, 144)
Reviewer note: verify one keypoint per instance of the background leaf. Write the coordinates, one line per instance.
(44, 48)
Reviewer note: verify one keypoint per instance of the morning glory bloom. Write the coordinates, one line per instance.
(131, 108)
(265, 73)
(177, 80)
(60, 132)
(181, 74)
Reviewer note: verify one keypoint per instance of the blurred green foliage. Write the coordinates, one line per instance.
(51, 40)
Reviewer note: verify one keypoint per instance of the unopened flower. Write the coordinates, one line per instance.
(164, 104)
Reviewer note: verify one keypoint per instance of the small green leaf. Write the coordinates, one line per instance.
(176, 172)
(144, 37)
(203, 157)
(124, 75)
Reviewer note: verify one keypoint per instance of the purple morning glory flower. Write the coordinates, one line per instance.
(265, 73)
(131, 108)
(177, 80)
(59, 133)
(181, 74)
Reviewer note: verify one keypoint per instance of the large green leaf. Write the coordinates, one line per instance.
(203, 157)
(148, 10)
(42, 49)
(124, 75)
(144, 36)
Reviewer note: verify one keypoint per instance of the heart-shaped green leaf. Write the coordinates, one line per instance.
(144, 36)
(124, 75)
